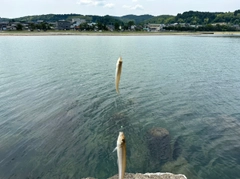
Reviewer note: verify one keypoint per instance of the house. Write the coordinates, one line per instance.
(91, 24)
(133, 27)
(162, 26)
(52, 25)
(173, 25)
(76, 22)
(25, 26)
(237, 27)
(3, 25)
(184, 24)
(155, 27)
(219, 23)
(40, 21)
(11, 27)
(110, 27)
(146, 29)
(63, 25)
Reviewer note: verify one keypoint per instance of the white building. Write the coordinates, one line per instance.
(133, 27)
(92, 24)
(77, 21)
(155, 27)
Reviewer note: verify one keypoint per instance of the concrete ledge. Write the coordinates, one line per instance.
(149, 175)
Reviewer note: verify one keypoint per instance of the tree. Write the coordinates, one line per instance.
(38, 26)
(19, 26)
(100, 26)
(83, 26)
(116, 25)
(180, 20)
(32, 26)
(236, 22)
(206, 20)
(209, 27)
(236, 12)
(43, 26)
(130, 23)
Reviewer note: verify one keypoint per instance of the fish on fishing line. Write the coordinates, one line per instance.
(121, 154)
(118, 73)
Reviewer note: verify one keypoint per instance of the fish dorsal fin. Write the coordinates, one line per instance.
(114, 149)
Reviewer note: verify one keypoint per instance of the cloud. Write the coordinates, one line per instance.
(91, 2)
(84, 2)
(134, 0)
(136, 7)
(109, 5)
(99, 3)
(126, 7)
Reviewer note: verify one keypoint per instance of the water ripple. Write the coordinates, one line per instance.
(60, 114)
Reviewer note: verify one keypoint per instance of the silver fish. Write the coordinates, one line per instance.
(118, 73)
(121, 154)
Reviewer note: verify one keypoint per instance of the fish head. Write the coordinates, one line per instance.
(119, 62)
(121, 139)
(120, 59)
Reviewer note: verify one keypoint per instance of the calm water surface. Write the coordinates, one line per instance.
(60, 115)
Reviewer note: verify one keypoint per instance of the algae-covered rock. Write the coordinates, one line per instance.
(159, 144)
(177, 149)
(180, 165)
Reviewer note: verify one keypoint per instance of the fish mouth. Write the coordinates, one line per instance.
(121, 138)
(118, 73)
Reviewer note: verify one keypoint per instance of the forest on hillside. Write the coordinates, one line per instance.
(198, 18)
(191, 17)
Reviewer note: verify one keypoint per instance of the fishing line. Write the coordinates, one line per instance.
(121, 46)
(117, 98)
(115, 102)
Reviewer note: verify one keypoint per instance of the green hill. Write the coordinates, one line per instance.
(191, 17)
(50, 17)
(94, 18)
(163, 19)
(196, 17)
(106, 20)
(3, 19)
(55, 17)
(134, 18)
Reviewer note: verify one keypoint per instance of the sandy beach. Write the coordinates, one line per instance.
(77, 33)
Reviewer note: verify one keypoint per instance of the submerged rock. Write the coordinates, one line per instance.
(180, 165)
(159, 144)
(177, 149)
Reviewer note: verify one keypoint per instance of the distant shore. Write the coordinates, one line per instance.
(77, 33)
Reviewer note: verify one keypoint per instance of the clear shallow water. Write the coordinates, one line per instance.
(60, 115)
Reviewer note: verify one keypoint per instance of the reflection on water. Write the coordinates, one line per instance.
(60, 115)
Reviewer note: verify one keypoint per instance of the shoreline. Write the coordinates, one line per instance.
(76, 33)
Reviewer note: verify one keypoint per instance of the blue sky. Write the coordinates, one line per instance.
(19, 8)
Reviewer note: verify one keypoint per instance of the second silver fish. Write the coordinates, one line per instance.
(118, 73)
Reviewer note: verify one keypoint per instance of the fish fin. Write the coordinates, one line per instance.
(114, 149)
